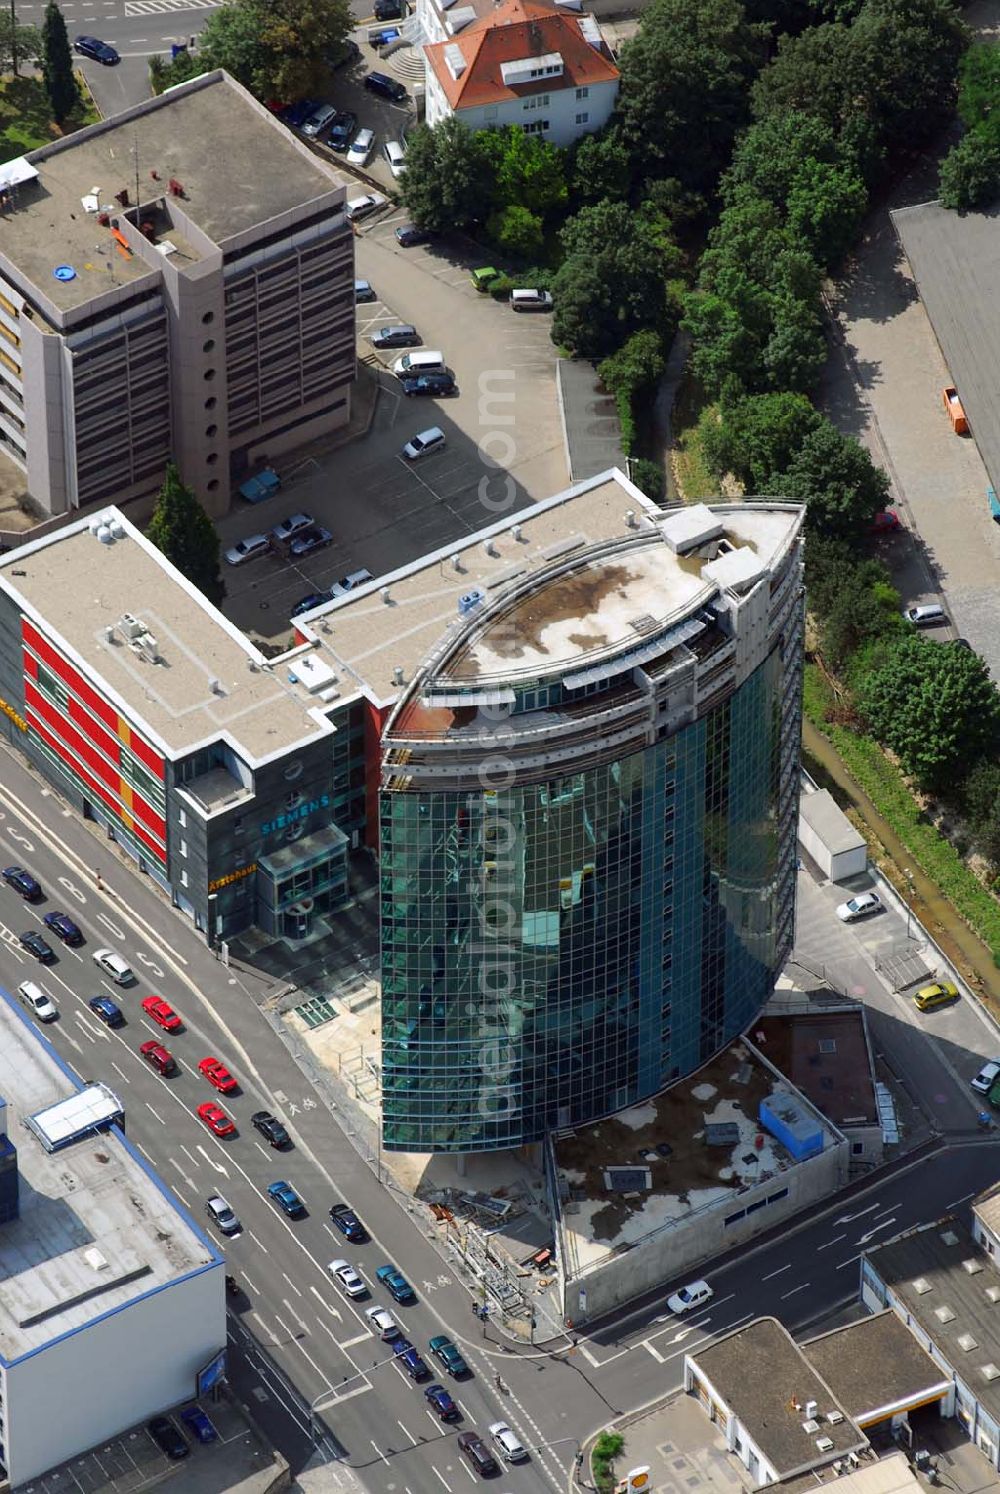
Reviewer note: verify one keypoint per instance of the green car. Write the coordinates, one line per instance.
(442, 1348)
(482, 279)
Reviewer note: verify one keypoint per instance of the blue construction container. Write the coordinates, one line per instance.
(790, 1121)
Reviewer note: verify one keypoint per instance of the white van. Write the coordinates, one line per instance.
(530, 300)
(35, 999)
(930, 615)
(113, 965)
(420, 361)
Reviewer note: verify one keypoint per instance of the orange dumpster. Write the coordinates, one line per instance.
(956, 414)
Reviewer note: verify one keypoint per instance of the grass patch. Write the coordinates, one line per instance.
(608, 1446)
(885, 785)
(26, 116)
(693, 477)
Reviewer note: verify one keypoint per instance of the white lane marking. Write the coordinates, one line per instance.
(291, 1283)
(408, 1433)
(771, 1274)
(350, 1394)
(956, 1201)
(381, 1454)
(249, 1283)
(330, 1309)
(469, 1471)
(118, 933)
(153, 1112)
(183, 1199)
(259, 1244)
(442, 1478)
(349, 1343)
(74, 1044)
(834, 1241)
(801, 1288)
(863, 1239)
(119, 1071)
(655, 1352)
(301, 1321)
(850, 1260)
(327, 1329)
(436, 1421)
(193, 1159)
(85, 1029)
(179, 1168)
(591, 1358)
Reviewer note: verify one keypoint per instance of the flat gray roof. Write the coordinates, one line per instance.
(952, 1290)
(823, 814)
(875, 1367)
(96, 1231)
(956, 263)
(238, 165)
(765, 1378)
(210, 681)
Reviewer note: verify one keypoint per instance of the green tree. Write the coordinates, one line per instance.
(825, 207)
(814, 73)
(981, 801)
(756, 438)
(909, 52)
(517, 231)
(181, 528)
(934, 706)
(830, 565)
(684, 87)
(772, 152)
(864, 609)
(448, 182)
(648, 478)
(979, 86)
(838, 481)
(611, 282)
(276, 48)
(57, 65)
(600, 168)
(969, 175)
(18, 44)
(527, 171)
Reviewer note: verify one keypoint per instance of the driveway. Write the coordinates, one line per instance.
(504, 446)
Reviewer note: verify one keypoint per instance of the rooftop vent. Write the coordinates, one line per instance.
(967, 1343)
(993, 1294)
(517, 532)
(948, 1237)
(627, 1179)
(398, 674)
(456, 562)
(131, 626)
(825, 1444)
(95, 1260)
(490, 548)
(454, 61)
(922, 1285)
(827, 1045)
(104, 535)
(470, 600)
(944, 1314)
(810, 1426)
(973, 1265)
(811, 1408)
(385, 594)
(630, 521)
(216, 687)
(990, 1371)
(834, 1417)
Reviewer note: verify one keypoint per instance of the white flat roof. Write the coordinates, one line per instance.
(97, 1230)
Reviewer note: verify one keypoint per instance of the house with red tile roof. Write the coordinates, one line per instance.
(531, 63)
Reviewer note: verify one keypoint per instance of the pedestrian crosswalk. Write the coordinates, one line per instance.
(156, 7)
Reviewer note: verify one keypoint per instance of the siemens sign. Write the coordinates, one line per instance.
(301, 812)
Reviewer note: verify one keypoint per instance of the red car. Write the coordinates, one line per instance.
(162, 1013)
(218, 1076)
(216, 1119)
(886, 522)
(161, 1060)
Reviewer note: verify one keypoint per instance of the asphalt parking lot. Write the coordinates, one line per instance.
(504, 447)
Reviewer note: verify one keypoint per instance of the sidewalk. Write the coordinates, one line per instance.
(682, 1448)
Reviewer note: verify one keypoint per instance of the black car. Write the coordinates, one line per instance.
(39, 947)
(364, 291)
(89, 46)
(388, 10)
(308, 603)
(270, 1128)
(342, 130)
(433, 384)
(22, 882)
(396, 335)
(348, 1223)
(408, 235)
(167, 1438)
(386, 87)
(64, 926)
(478, 1453)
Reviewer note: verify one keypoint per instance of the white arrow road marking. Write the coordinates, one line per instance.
(212, 1162)
(179, 1168)
(863, 1239)
(303, 1325)
(84, 1028)
(849, 1218)
(74, 1044)
(193, 1160)
(331, 1310)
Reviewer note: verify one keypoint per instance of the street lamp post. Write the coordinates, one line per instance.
(908, 874)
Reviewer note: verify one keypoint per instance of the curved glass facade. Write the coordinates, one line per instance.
(557, 947)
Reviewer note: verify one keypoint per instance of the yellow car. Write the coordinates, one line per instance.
(941, 993)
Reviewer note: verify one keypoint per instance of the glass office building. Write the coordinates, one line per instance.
(588, 816)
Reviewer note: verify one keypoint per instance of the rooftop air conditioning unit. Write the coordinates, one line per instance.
(834, 1417)
(825, 1444)
(131, 626)
(398, 674)
(811, 1409)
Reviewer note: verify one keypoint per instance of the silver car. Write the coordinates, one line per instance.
(222, 1214)
(861, 906)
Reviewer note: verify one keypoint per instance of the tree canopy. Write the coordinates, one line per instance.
(22, 44)
(934, 706)
(276, 48)
(838, 481)
(181, 528)
(57, 65)
(447, 181)
(612, 281)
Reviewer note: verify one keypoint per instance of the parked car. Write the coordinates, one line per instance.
(388, 10)
(886, 522)
(433, 385)
(286, 1198)
(222, 1214)
(117, 969)
(384, 86)
(290, 527)
(309, 541)
(22, 882)
(363, 289)
(64, 928)
(197, 1422)
(345, 1219)
(349, 582)
(695, 1294)
(928, 615)
(167, 1438)
(359, 151)
(296, 114)
(862, 906)
(158, 1057)
(938, 993)
(408, 235)
(363, 207)
(251, 548)
(956, 412)
(396, 1284)
(478, 1454)
(108, 1011)
(483, 277)
(530, 300)
(342, 129)
(37, 945)
(448, 1354)
(395, 155)
(396, 335)
(321, 118)
(264, 485)
(270, 1128)
(442, 1402)
(309, 603)
(350, 1280)
(984, 1080)
(425, 442)
(510, 1448)
(382, 1323)
(96, 50)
